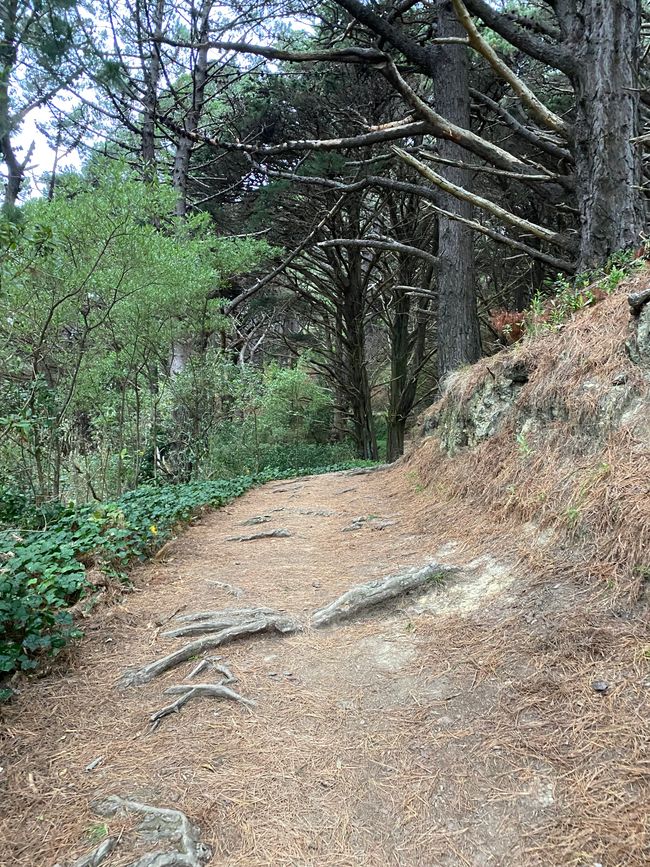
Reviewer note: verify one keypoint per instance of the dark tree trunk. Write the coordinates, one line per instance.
(605, 41)
(407, 347)
(399, 358)
(459, 340)
(185, 144)
(15, 169)
(151, 73)
(358, 384)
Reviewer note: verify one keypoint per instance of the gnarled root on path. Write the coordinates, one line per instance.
(214, 621)
(212, 690)
(364, 596)
(97, 856)
(258, 620)
(265, 534)
(165, 826)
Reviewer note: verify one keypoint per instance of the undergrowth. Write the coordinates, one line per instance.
(44, 571)
(550, 309)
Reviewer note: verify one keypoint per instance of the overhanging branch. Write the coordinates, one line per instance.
(381, 244)
(525, 94)
(485, 204)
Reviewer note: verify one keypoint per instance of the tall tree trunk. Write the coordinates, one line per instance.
(605, 37)
(15, 168)
(353, 338)
(399, 359)
(193, 115)
(459, 340)
(151, 73)
(358, 385)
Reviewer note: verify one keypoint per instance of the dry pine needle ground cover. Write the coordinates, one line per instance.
(456, 728)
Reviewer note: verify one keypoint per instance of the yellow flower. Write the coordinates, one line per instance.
(154, 530)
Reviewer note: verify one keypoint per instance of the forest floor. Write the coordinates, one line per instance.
(456, 727)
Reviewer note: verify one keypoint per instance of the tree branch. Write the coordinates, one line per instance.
(381, 244)
(538, 109)
(557, 56)
(552, 261)
(485, 204)
(349, 54)
(363, 140)
(527, 134)
(442, 128)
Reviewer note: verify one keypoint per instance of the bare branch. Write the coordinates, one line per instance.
(538, 109)
(381, 244)
(363, 140)
(350, 54)
(525, 132)
(442, 128)
(557, 264)
(559, 56)
(485, 204)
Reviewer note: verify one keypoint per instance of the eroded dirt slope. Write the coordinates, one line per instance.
(458, 727)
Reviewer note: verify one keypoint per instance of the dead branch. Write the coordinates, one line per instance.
(525, 94)
(440, 127)
(485, 204)
(380, 590)
(260, 284)
(500, 238)
(349, 54)
(379, 244)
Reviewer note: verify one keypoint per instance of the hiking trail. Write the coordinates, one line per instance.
(428, 729)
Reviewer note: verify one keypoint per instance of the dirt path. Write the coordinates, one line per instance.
(422, 734)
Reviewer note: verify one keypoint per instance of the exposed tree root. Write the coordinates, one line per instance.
(363, 471)
(323, 513)
(213, 690)
(229, 588)
(380, 590)
(291, 487)
(228, 616)
(265, 534)
(98, 855)
(212, 661)
(214, 621)
(257, 622)
(163, 826)
(258, 519)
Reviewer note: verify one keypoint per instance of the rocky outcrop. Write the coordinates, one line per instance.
(511, 391)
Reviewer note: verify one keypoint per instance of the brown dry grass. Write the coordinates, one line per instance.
(575, 475)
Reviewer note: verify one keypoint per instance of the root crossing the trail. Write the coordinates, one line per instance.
(265, 534)
(364, 596)
(188, 692)
(167, 828)
(259, 620)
